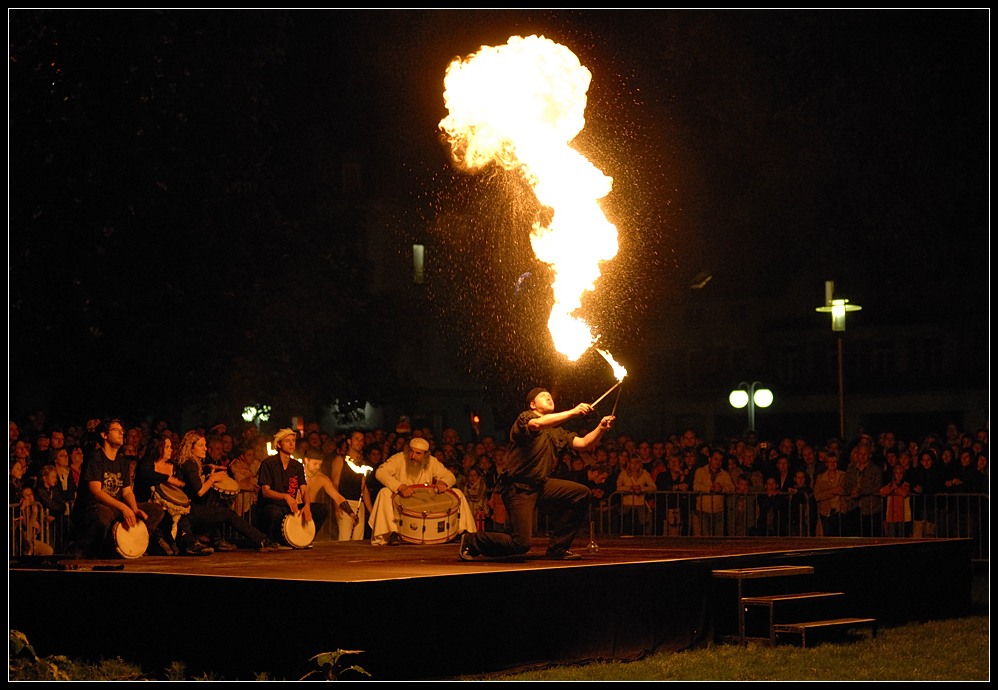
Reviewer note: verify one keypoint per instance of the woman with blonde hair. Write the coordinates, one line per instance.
(206, 516)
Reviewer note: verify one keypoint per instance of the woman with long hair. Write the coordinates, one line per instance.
(207, 516)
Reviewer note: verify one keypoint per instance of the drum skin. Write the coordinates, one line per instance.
(297, 535)
(428, 516)
(131, 543)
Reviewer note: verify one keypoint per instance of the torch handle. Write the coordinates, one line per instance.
(606, 394)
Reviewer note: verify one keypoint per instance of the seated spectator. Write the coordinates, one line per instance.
(244, 468)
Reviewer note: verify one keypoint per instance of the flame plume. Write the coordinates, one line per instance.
(520, 105)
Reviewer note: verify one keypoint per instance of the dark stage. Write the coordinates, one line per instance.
(418, 612)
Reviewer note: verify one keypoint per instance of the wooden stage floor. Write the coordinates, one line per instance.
(419, 612)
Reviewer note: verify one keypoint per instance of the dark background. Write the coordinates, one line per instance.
(179, 234)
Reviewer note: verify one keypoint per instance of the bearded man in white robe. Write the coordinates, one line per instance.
(403, 475)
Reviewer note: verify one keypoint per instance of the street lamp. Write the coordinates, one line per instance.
(838, 307)
(751, 395)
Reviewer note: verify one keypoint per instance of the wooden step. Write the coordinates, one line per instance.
(761, 613)
(823, 629)
(764, 572)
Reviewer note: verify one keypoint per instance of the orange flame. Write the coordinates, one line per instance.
(520, 106)
(619, 372)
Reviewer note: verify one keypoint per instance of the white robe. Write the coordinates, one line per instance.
(397, 470)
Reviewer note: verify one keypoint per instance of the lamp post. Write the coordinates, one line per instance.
(750, 394)
(838, 307)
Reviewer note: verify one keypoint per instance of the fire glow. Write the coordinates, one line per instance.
(520, 105)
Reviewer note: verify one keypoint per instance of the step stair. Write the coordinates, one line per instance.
(772, 604)
(822, 630)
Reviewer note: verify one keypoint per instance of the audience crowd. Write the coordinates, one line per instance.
(882, 485)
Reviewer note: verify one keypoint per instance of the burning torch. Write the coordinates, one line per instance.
(362, 470)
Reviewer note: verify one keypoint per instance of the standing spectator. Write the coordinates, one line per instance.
(784, 475)
(29, 518)
(897, 516)
(864, 512)
(39, 455)
(674, 507)
(57, 441)
(809, 463)
(67, 484)
(477, 494)
(925, 484)
(772, 518)
(803, 508)
(711, 482)
(16, 481)
(829, 492)
(741, 509)
(49, 495)
(76, 457)
(634, 485)
(107, 496)
(600, 488)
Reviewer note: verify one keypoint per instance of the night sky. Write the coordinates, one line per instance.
(178, 233)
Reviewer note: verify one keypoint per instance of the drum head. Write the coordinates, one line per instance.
(226, 485)
(173, 494)
(428, 517)
(131, 543)
(295, 533)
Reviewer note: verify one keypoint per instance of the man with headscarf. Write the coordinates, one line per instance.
(405, 473)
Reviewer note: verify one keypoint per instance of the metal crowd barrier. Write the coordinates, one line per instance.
(676, 514)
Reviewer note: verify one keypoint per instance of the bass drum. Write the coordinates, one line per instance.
(296, 534)
(130, 543)
(428, 517)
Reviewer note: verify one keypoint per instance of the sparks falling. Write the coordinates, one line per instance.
(520, 106)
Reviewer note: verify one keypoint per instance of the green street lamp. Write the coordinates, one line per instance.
(751, 395)
(838, 308)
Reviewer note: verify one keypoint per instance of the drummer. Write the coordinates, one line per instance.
(283, 487)
(154, 470)
(319, 482)
(106, 496)
(400, 474)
